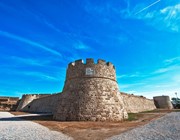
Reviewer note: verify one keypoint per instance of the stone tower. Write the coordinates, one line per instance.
(90, 93)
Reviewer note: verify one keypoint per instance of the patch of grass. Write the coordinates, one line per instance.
(132, 116)
(161, 111)
(150, 111)
(177, 110)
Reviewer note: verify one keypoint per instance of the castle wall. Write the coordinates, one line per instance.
(135, 104)
(28, 98)
(46, 104)
(90, 93)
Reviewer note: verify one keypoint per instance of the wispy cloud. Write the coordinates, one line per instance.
(132, 75)
(29, 61)
(166, 69)
(147, 7)
(50, 25)
(163, 19)
(41, 76)
(131, 86)
(29, 42)
(172, 60)
(166, 18)
(127, 76)
(80, 46)
(162, 81)
(153, 93)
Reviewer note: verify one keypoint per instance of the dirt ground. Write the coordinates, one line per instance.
(96, 130)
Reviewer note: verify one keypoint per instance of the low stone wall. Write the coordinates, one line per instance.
(135, 104)
(46, 104)
(27, 99)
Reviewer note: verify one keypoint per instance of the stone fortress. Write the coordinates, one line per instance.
(90, 93)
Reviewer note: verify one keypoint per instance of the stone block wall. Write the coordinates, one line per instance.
(90, 93)
(28, 98)
(163, 102)
(45, 104)
(95, 102)
(135, 104)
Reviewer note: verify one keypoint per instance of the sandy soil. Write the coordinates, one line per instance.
(95, 130)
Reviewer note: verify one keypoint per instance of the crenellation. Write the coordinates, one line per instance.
(90, 69)
(101, 61)
(89, 61)
(79, 62)
(72, 64)
(110, 65)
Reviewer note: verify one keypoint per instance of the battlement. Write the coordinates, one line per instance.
(90, 69)
(36, 94)
(90, 61)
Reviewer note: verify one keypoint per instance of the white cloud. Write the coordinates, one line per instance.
(40, 75)
(166, 69)
(29, 61)
(162, 81)
(80, 46)
(145, 8)
(29, 42)
(161, 70)
(131, 86)
(166, 18)
(172, 60)
(151, 94)
(132, 75)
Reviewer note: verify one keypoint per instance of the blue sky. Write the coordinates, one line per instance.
(38, 38)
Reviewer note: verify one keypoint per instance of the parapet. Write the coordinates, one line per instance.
(90, 69)
(132, 95)
(90, 61)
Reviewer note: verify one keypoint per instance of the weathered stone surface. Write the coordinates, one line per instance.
(45, 104)
(27, 99)
(134, 104)
(90, 93)
(163, 102)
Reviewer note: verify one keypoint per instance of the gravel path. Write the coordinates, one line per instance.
(165, 128)
(12, 128)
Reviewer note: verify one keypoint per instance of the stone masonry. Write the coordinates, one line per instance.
(90, 93)
(135, 104)
(27, 99)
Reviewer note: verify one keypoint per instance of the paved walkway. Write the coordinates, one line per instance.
(165, 128)
(13, 128)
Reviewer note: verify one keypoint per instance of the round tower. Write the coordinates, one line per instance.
(163, 102)
(90, 93)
